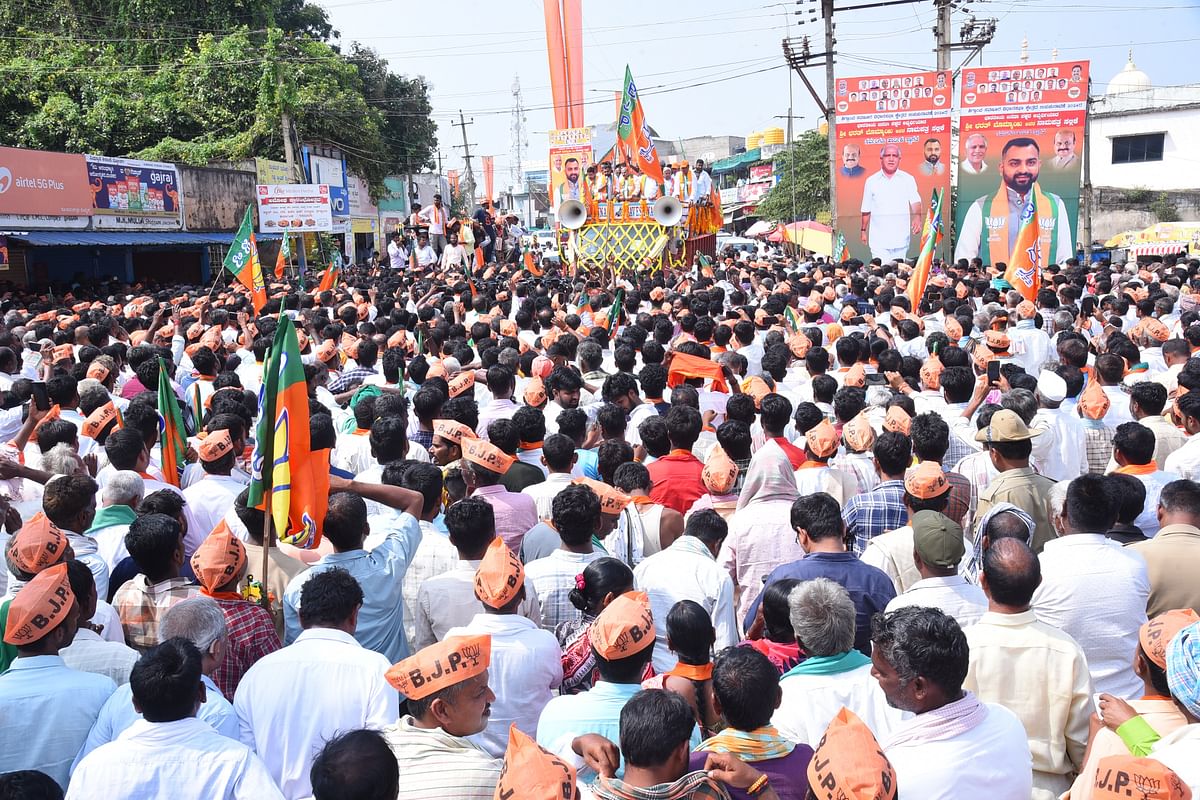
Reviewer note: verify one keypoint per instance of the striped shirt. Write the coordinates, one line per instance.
(434, 763)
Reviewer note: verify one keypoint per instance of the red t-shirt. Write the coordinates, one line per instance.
(677, 480)
(795, 455)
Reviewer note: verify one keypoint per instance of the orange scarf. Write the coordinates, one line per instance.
(996, 222)
(1138, 469)
(692, 672)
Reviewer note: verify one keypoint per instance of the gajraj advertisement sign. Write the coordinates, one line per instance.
(39, 189)
(570, 156)
(294, 208)
(1020, 130)
(129, 194)
(893, 150)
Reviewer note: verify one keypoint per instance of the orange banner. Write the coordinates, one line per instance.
(559, 81)
(572, 18)
(489, 179)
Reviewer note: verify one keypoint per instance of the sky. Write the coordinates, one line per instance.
(717, 68)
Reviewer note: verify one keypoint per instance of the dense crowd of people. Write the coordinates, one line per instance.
(753, 529)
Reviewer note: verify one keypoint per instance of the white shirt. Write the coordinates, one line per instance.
(292, 701)
(686, 570)
(182, 760)
(992, 760)
(1063, 456)
(397, 256)
(436, 217)
(1095, 591)
(702, 186)
(1179, 750)
(525, 670)
(543, 493)
(1154, 483)
(494, 410)
(110, 544)
(90, 652)
(954, 596)
(1030, 346)
(435, 556)
(454, 256)
(426, 256)
(209, 501)
(810, 702)
(448, 600)
(1186, 460)
(353, 452)
(889, 199)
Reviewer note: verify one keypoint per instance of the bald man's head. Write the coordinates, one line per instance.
(1011, 573)
(1006, 525)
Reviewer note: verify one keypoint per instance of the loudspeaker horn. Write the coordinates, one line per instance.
(572, 214)
(667, 211)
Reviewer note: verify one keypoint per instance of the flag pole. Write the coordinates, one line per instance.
(268, 476)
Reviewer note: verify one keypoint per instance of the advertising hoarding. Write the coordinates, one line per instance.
(294, 208)
(893, 149)
(1020, 126)
(134, 195)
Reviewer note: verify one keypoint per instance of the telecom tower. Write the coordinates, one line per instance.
(520, 138)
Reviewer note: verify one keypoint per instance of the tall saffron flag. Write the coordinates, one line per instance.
(285, 255)
(242, 261)
(170, 429)
(931, 237)
(634, 134)
(1025, 268)
(283, 467)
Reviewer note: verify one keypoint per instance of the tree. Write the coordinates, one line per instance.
(803, 188)
(202, 80)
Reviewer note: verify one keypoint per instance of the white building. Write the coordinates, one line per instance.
(1145, 136)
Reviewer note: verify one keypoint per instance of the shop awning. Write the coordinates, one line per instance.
(1157, 248)
(733, 162)
(125, 238)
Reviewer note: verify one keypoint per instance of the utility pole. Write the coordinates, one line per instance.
(469, 179)
(942, 33)
(830, 109)
(1086, 198)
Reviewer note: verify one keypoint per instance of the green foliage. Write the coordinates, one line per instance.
(202, 80)
(1164, 210)
(803, 188)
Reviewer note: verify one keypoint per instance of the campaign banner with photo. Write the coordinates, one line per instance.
(134, 195)
(1020, 128)
(570, 156)
(294, 208)
(893, 150)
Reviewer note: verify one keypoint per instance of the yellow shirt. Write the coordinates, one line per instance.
(1041, 675)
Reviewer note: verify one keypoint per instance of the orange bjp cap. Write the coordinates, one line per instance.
(500, 575)
(1155, 635)
(926, 480)
(39, 607)
(859, 434)
(855, 376)
(38, 544)
(487, 455)
(822, 439)
(1093, 402)
(1126, 777)
(452, 431)
(897, 420)
(215, 446)
(849, 763)
(625, 628)
(219, 558)
(441, 665)
(98, 419)
(531, 773)
(720, 473)
(612, 501)
(462, 382)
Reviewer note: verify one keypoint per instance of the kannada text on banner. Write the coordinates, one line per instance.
(1020, 128)
(570, 156)
(893, 150)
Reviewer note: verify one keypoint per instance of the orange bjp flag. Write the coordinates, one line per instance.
(1025, 270)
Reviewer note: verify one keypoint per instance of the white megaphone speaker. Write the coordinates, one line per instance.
(572, 214)
(667, 211)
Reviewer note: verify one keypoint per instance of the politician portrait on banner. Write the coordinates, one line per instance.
(1020, 139)
(893, 145)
